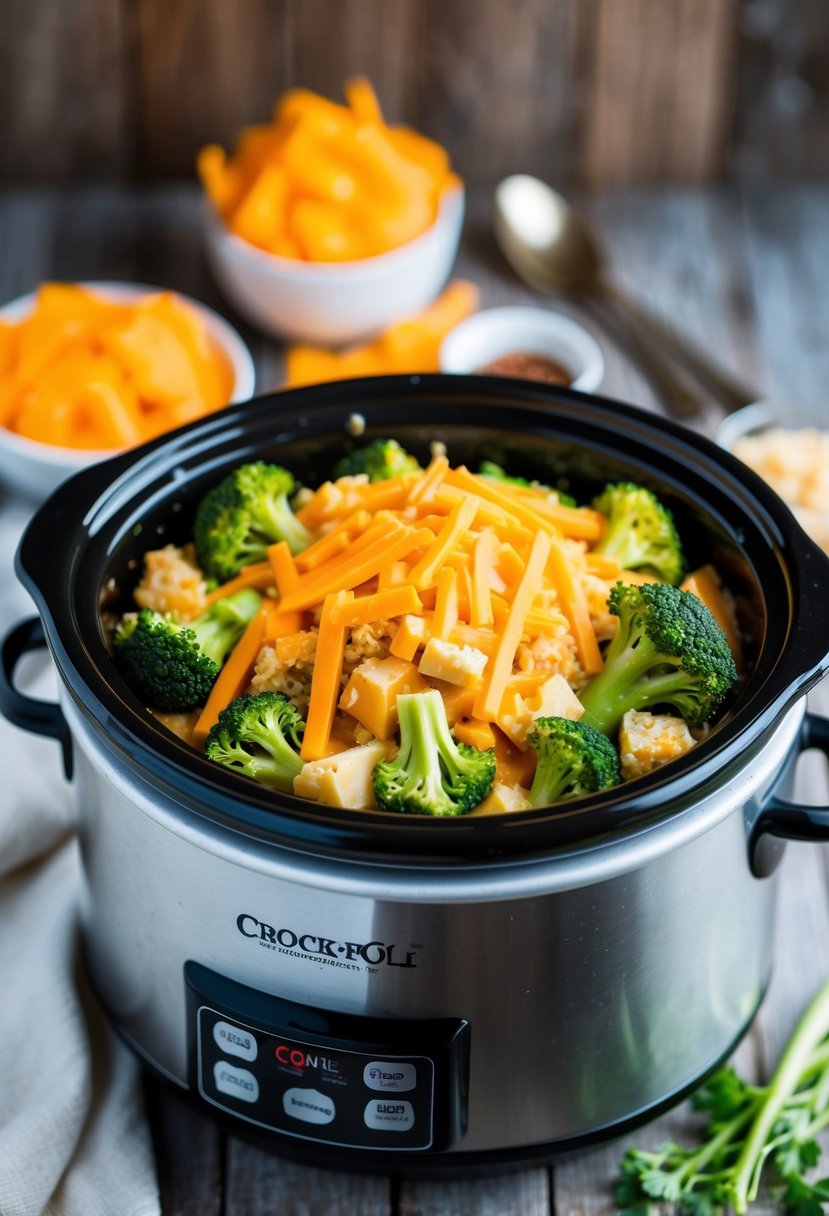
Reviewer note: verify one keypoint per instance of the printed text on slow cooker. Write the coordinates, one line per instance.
(352, 956)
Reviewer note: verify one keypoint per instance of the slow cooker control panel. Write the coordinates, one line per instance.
(339, 1079)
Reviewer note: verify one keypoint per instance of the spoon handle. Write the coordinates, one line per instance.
(677, 399)
(726, 389)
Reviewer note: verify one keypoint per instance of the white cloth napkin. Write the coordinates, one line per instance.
(73, 1135)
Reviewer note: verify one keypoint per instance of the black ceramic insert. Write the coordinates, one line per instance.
(81, 553)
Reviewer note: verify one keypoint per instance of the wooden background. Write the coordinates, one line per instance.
(593, 92)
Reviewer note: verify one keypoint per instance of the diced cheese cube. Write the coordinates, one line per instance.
(512, 766)
(410, 636)
(371, 693)
(514, 717)
(344, 779)
(475, 733)
(463, 665)
(647, 741)
(457, 701)
(555, 699)
(502, 799)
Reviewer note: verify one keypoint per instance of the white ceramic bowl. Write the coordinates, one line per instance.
(37, 468)
(760, 415)
(494, 332)
(794, 465)
(334, 303)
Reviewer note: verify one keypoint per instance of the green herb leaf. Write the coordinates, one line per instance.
(750, 1129)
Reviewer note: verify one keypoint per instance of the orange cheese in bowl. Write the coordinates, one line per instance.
(83, 371)
(325, 182)
(411, 345)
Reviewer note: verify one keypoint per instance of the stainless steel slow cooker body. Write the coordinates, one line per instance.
(391, 992)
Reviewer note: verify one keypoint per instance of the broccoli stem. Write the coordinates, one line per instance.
(279, 520)
(808, 1036)
(282, 757)
(218, 629)
(608, 694)
(419, 723)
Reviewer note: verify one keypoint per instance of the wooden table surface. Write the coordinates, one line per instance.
(744, 274)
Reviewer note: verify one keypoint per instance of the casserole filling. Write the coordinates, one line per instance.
(429, 640)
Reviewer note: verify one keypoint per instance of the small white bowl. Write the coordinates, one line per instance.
(761, 415)
(494, 332)
(37, 468)
(784, 474)
(334, 303)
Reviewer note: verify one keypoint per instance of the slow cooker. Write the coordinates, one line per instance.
(395, 992)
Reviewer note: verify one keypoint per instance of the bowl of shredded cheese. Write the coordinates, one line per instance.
(788, 446)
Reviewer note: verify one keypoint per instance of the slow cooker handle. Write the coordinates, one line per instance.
(792, 820)
(29, 713)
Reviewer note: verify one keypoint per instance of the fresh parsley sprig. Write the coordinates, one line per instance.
(748, 1128)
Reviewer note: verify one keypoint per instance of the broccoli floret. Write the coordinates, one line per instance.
(173, 666)
(244, 514)
(431, 773)
(382, 459)
(667, 650)
(488, 468)
(573, 759)
(640, 532)
(259, 736)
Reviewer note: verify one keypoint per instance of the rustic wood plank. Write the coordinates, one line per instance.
(707, 46)
(27, 219)
(496, 84)
(27, 229)
(788, 250)
(62, 90)
(638, 91)
(203, 69)
(189, 1156)
(260, 1184)
(649, 117)
(684, 256)
(524, 1194)
(333, 40)
(782, 117)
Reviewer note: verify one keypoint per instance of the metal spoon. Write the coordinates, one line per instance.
(550, 246)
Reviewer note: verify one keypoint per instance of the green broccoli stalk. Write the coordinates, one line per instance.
(494, 472)
(244, 514)
(749, 1127)
(259, 736)
(574, 759)
(382, 459)
(667, 650)
(640, 532)
(431, 773)
(173, 666)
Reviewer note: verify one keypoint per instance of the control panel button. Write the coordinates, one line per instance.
(335, 1079)
(237, 1082)
(234, 1041)
(383, 1076)
(389, 1115)
(308, 1105)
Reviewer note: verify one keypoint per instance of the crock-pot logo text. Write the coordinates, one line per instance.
(351, 955)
